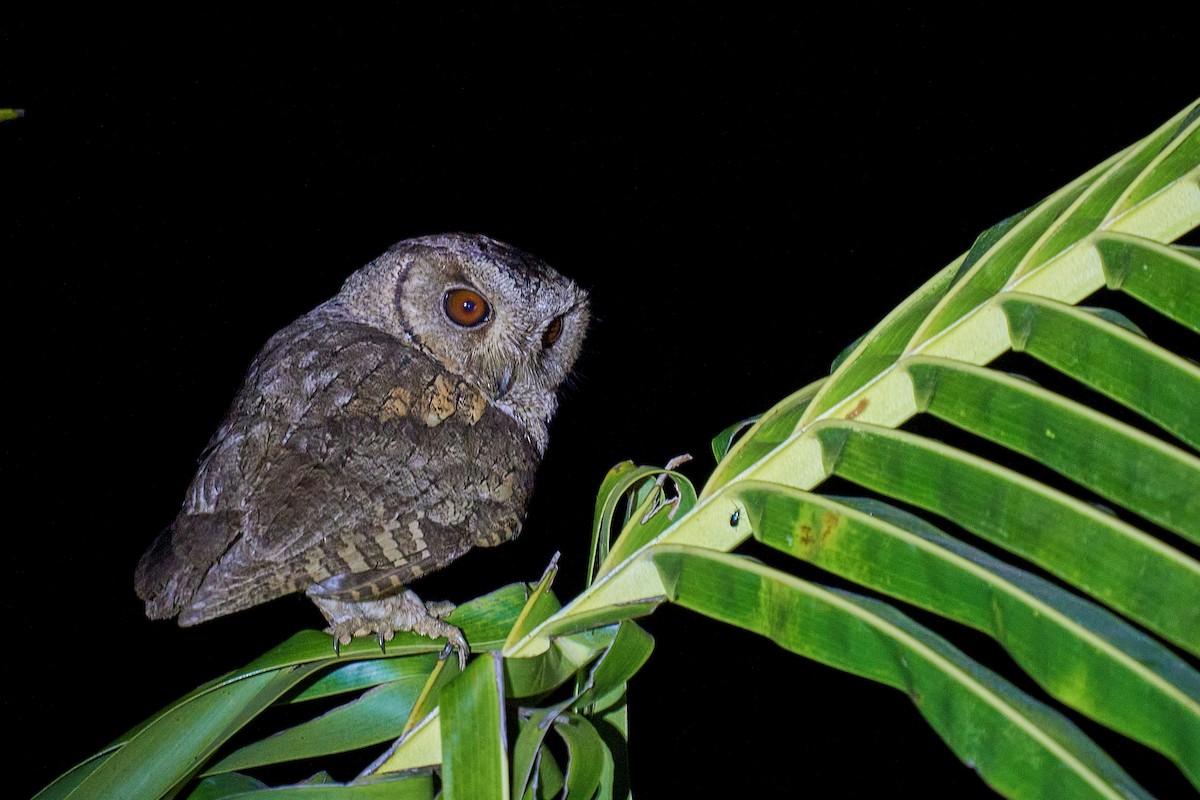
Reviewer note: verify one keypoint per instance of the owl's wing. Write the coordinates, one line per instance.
(348, 460)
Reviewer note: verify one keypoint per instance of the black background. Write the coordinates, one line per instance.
(743, 193)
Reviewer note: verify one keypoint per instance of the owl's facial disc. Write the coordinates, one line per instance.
(501, 319)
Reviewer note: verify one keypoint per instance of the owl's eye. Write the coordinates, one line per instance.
(553, 331)
(466, 307)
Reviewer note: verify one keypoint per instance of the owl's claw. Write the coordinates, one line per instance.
(383, 617)
(455, 641)
(343, 633)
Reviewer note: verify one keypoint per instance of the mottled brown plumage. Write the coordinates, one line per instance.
(377, 438)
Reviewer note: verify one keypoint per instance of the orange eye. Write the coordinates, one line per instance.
(466, 307)
(553, 331)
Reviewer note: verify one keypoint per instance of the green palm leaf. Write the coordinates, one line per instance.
(1012, 740)
(1015, 290)
(1062, 520)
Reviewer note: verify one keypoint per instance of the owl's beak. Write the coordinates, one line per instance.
(505, 381)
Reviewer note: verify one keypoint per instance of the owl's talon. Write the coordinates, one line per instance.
(440, 609)
(342, 634)
(456, 643)
(381, 619)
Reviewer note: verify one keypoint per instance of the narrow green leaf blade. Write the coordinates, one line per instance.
(408, 787)
(540, 606)
(607, 500)
(1111, 560)
(653, 516)
(474, 742)
(1098, 664)
(1163, 277)
(884, 345)
(444, 672)
(550, 778)
(1155, 480)
(176, 744)
(998, 264)
(772, 428)
(621, 479)
(528, 748)
(221, 787)
(1152, 381)
(630, 649)
(359, 675)
(847, 351)
(486, 621)
(1116, 318)
(724, 440)
(64, 784)
(1102, 198)
(588, 754)
(377, 716)
(1019, 746)
(533, 677)
(1179, 158)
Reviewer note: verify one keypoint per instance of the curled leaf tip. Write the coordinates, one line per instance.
(679, 460)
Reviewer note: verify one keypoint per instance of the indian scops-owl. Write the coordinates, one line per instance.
(375, 439)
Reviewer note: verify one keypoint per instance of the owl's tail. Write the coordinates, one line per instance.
(157, 579)
(171, 572)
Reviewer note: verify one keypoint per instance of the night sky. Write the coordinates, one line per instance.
(743, 194)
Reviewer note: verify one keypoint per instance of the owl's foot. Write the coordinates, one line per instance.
(381, 618)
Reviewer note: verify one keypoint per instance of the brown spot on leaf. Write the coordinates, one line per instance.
(858, 409)
(829, 521)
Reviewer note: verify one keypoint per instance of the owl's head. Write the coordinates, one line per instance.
(502, 319)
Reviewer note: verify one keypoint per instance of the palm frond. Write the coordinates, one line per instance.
(1059, 518)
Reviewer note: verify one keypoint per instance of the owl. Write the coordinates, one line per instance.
(375, 439)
